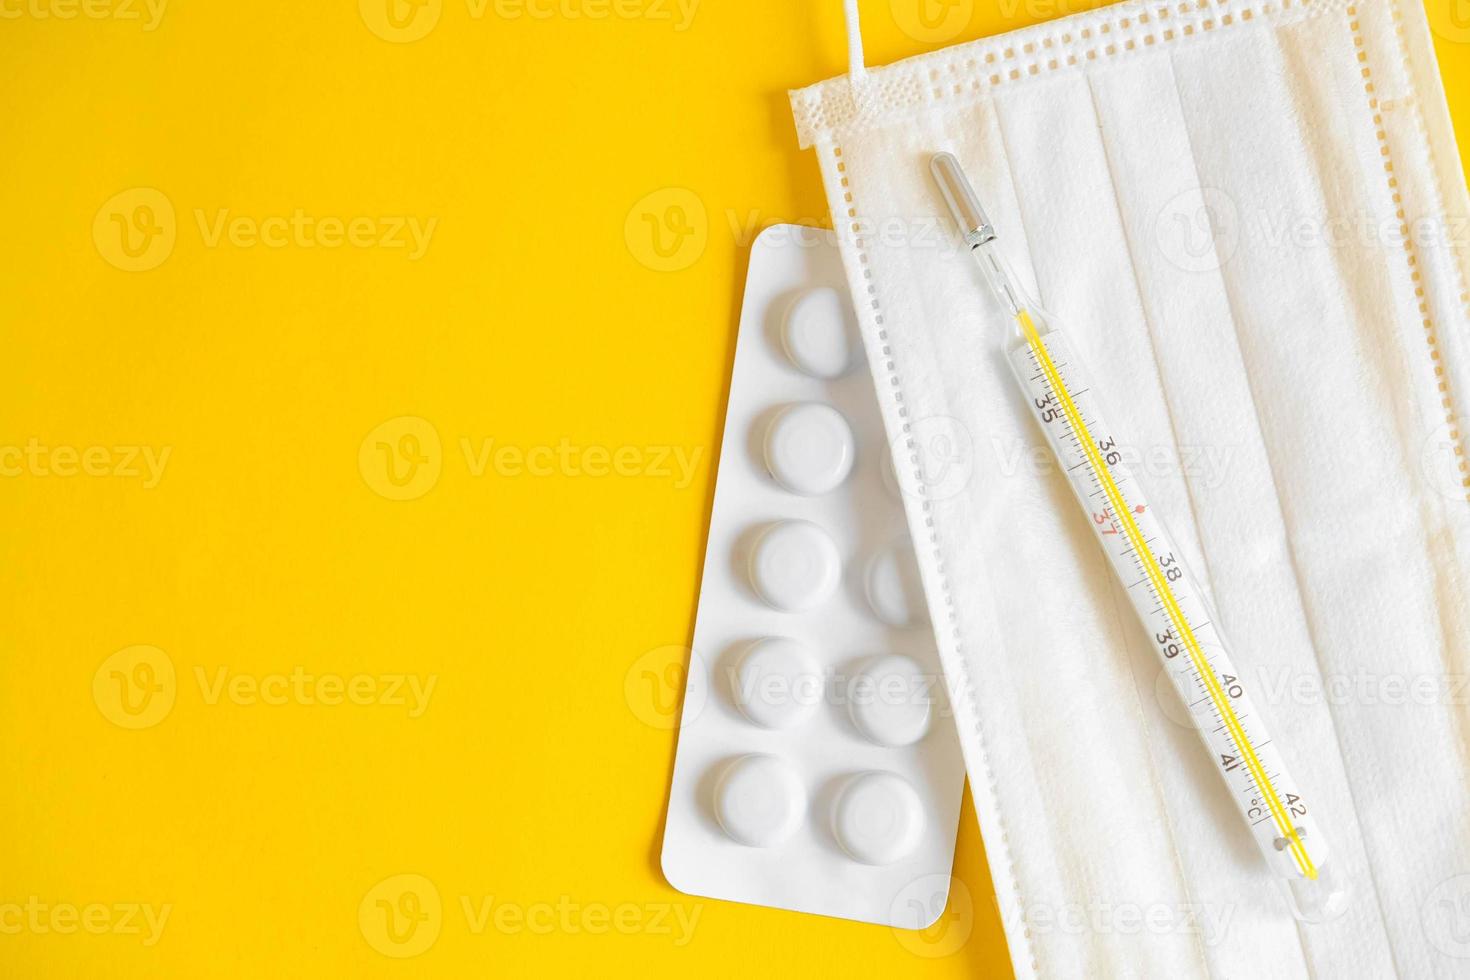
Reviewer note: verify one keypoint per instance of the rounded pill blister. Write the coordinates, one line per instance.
(759, 800)
(894, 591)
(810, 448)
(820, 333)
(878, 818)
(794, 565)
(778, 683)
(890, 700)
(788, 790)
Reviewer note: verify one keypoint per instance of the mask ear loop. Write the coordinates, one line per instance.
(857, 70)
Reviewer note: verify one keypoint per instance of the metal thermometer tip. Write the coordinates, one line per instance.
(960, 197)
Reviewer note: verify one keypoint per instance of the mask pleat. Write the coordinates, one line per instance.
(1314, 323)
(1213, 485)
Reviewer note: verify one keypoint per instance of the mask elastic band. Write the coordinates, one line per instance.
(857, 70)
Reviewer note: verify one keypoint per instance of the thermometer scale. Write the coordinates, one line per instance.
(1167, 598)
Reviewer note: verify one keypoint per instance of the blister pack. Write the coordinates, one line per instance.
(817, 768)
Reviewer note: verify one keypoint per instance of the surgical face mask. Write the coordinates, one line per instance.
(1252, 219)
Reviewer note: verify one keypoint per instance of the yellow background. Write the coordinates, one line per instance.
(546, 149)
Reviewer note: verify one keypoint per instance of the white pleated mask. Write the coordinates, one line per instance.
(1251, 218)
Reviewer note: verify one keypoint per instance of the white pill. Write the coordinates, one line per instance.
(809, 448)
(890, 700)
(778, 683)
(820, 333)
(759, 800)
(878, 818)
(794, 565)
(893, 587)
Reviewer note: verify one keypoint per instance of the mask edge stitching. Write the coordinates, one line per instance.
(1457, 258)
(1411, 249)
(810, 105)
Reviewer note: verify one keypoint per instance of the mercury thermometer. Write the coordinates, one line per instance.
(1167, 598)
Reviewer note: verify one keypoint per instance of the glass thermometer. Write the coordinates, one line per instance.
(1167, 598)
